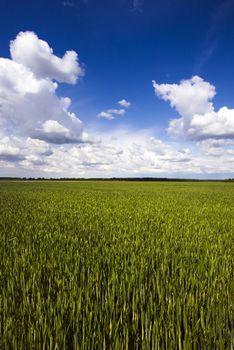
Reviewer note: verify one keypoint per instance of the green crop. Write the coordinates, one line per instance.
(116, 265)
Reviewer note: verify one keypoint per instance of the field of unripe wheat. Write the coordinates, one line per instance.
(116, 265)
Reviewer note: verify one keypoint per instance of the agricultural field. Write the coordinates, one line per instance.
(116, 265)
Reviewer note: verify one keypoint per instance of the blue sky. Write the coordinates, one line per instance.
(122, 46)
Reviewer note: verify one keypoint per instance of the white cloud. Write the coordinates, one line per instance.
(110, 113)
(217, 148)
(16, 149)
(54, 132)
(38, 147)
(117, 111)
(124, 103)
(9, 152)
(105, 115)
(190, 97)
(52, 126)
(35, 54)
(218, 124)
(29, 106)
(199, 120)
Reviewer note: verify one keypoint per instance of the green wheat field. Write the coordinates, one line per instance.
(116, 265)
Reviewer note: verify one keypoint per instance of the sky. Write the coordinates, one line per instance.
(127, 88)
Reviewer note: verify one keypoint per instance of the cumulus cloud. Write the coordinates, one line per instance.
(117, 111)
(29, 105)
(111, 113)
(9, 152)
(192, 100)
(217, 148)
(19, 150)
(35, 54)
(190, 97)
(105, 115)
(53, 132)
(124, 103)
(213, 124)
(38, 147)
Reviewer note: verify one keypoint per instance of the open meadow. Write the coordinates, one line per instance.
(116, 265)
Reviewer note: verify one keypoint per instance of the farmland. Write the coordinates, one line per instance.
(116, 265)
